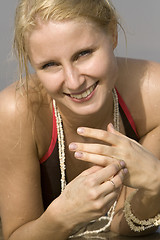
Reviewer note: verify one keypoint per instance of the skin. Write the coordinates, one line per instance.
(77, 57)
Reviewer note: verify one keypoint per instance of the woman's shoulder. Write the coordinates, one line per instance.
(138, 76)
(8, 103)
(17, 99)
(138, 70)
(23, 113)
(139, 85)
(14, 114)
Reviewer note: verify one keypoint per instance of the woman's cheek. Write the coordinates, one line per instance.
(101, 66)
(50, 81)
(93, 68)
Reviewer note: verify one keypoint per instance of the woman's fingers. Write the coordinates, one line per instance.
(102, 135)
(105, 174)
(112, 144)
(105, 193)
(107, 146)
(94, 158)
(100, 160)
(94, 191)
(114, 183)
(93, 148)
(90, 170)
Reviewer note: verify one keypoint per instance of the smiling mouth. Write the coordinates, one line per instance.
(85, 94)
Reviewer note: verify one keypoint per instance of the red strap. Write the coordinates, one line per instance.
(127, 112)
(53, 141)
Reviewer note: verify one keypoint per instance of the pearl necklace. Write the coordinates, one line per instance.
(61, 147)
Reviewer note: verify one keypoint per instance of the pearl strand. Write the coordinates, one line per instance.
(61, 147)
(116, 109)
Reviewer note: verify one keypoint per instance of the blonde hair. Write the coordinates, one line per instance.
(101, 12)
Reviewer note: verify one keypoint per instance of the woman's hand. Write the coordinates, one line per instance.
(115, 147)
(91, 194)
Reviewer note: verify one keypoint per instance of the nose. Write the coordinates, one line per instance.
(73, 77)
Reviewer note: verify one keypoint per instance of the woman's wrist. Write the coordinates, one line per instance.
(145, 203)
(138, 224)
(61, 213)
(151, 186)
(55, 218)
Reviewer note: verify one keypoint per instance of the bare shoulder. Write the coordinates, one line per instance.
(21, 118)
(14, 101)
(139, 85)
(19, 160)
(15, 113)
(10, 113)
(24, 113)
(7, 100)
(137, 73)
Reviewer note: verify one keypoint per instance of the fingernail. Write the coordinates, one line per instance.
(78, 154)
(72, 146)
(111, 125)
(125, 170)
(80, 130)
(122, 163)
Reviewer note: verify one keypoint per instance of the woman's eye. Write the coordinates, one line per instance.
(50, 64)
(84, 53)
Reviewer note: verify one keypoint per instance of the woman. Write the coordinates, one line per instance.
(73, 161)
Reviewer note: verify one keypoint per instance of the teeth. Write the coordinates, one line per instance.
(85, 94)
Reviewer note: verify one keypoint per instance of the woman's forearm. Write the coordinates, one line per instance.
(48, 226)
(36, 230)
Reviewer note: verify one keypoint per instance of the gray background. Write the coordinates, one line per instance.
(140, 19)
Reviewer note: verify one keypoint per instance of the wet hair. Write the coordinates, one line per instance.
(28, 12)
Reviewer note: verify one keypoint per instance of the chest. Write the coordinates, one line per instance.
(74, 167)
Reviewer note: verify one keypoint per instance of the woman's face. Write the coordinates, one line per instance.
(75, 63)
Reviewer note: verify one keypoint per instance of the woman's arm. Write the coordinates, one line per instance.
(145, 203)
(21, 204)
